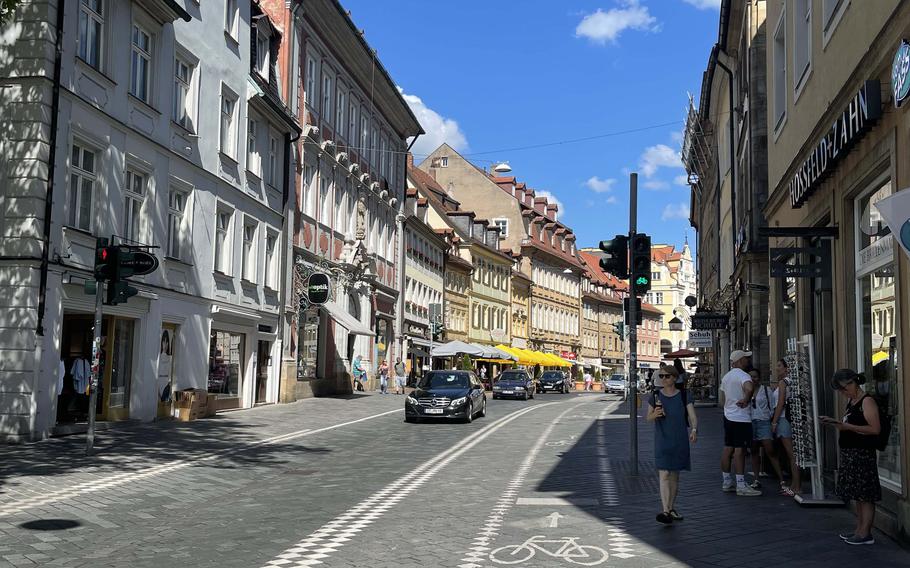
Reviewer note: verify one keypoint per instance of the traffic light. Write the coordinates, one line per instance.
(112, 265)
(617, 261)
(619, 329)
(437, 329)
(119, 292)
(626, 305)
(640, 280)
(106, 258)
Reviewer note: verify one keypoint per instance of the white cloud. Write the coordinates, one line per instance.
(612, 200)
(602, 27)
(659, 156)
(551, 199)
(677, 136)
(598, 185)
(438, 128)
(682, 180)
(655, 184)
(677, 211)
(704, 4)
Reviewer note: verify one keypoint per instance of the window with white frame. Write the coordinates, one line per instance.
(248, 267)
(383, 158)
(802, 40)
(352, 217)
(82, 187)
(324, 186)
(91, 32)
(231, 17)
(223, 241)
(271, 261)
(374, 148)
(295, 77)
(364, 136)
(274, 156)
(184, 97)
(352, 123)
(228, 135)
(309, 190)
(252, 151)
(263, 43)
(175, 214)
(133, 196)
(339, 207)
(326, 109)
(340, 105)
(311, 82)
(503, 225)
(444, 162)
(779, 78)
(141, 63)
(831, 9)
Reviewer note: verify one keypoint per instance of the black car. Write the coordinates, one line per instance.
(553, 381)
(514, 383)
(446, 394)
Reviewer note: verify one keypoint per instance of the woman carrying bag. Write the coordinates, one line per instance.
(672, 414)
(782, 429)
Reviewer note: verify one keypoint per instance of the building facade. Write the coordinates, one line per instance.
(521, 308)
(838, 140)
(672, 281)
(350, 193)
(128, 151)
(529, 228)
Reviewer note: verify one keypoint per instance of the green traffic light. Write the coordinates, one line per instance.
(642, 281)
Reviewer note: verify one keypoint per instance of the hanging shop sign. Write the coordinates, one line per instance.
(710, 320)
(701, 339)
(317, 288)
(860, 114)
(900, 74)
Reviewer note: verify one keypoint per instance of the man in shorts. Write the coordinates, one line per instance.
(401, 376)
(738, 389)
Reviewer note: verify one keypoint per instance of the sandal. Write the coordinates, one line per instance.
(787, 492)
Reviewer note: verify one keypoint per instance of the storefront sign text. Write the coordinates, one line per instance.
(900, 69)
(317, 289)
(862, 111)
(710, 320)
(700, 339)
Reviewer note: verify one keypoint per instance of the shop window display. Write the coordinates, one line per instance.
(225, 363)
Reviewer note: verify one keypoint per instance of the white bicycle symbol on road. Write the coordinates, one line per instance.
(567, 549)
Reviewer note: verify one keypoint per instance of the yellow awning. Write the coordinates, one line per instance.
(879, 357)
(557, 361)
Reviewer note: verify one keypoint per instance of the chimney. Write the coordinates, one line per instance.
(540, 205)
(520, 194)
(529, 197)
(410, 160)
(552, 209)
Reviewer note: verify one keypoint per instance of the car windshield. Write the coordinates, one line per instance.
(513, 377)
(617, 378)
(443, 380)
(552, 375)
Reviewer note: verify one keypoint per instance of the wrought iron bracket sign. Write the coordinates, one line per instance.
(318, 287)
(817, 263)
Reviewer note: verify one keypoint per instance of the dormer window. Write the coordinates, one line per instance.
(262, 55)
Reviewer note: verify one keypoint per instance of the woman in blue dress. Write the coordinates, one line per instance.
(675, 426)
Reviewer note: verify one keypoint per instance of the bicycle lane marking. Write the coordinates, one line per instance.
(480, 546)
(330, 537)
(15, 507)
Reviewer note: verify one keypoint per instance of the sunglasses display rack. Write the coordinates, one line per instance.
(803, 404)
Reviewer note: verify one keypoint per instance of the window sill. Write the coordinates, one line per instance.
(248, 283)
(801, 84)
(184, 130)
(96, 73)
(269, 290)
(139, 102)
(223, 275)
(255, 177)
(230, 37)
(779, 127)
(228, 158)
(79, 231)
(177, 260)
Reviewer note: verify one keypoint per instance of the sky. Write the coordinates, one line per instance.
(522, 80)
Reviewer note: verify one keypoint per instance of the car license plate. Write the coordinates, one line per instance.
(508, 392)
(433, 411)
(548, 386)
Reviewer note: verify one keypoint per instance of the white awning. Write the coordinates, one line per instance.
(347, 320)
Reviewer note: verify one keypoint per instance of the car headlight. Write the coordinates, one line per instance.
(411, 400)
(519, 388)
(497, 387)
(459, 401)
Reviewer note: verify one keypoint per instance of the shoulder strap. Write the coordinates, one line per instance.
(685, 399)
(768, 399)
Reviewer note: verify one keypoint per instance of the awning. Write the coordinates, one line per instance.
(453, 348)
(682, 354)
(418, 351)
(346, 320)
(494, 353)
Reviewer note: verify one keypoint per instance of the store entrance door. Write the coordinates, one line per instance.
(263, 363)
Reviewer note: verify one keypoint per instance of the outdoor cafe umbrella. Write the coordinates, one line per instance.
(455, 348)
(682, 354)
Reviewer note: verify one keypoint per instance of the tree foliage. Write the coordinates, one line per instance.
(6, 10)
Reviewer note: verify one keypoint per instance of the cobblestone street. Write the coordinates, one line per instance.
(345, 482)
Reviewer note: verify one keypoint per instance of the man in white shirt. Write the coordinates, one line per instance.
(738, 389)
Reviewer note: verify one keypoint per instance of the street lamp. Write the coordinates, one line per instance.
(502, 168)
(676, 324)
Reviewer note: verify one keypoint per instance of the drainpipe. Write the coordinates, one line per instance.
(51, 172)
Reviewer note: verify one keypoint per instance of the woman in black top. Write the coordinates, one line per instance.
(857, 478)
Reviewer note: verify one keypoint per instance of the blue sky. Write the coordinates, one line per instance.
(493, 77)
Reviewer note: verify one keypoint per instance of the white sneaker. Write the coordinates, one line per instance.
(728, 487)
(746, 491)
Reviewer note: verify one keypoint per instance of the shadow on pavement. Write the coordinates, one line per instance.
(720, 529)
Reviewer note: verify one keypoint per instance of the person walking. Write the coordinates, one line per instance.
(763, 404)
(358, 372)
(738, 389)
(400, 376)
(857, 477)
(781, 427)
(589, 381)
(383, 377)
(672, 414)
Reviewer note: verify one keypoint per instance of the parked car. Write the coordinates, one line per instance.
(446, 394)
(553, 381)
(514, 383)
(616, 384)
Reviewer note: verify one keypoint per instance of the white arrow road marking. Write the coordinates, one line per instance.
(336, 533)
(133, 476)
(554, 519)
(480, 546)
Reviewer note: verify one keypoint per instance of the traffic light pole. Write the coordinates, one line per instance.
(633, 335)
(96, 368)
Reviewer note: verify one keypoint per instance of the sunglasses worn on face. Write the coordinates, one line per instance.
(665, 376)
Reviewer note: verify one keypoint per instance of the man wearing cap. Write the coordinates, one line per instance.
(737, 388)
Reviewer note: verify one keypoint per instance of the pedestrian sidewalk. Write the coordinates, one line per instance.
(36, 472)
(723, 529)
